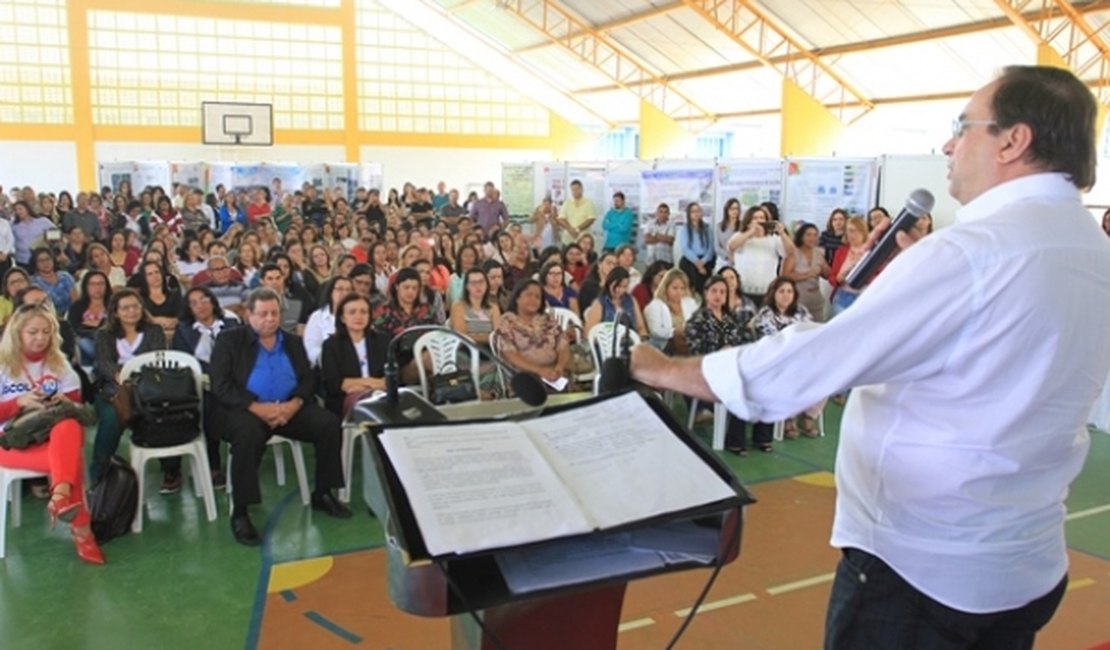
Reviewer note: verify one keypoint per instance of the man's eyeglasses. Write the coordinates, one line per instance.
(959, 125)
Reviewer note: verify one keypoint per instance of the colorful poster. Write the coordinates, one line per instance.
(751, 181)
(193, 174)
(555, 182)
(677, 188)
(815, 187)
(517, 180)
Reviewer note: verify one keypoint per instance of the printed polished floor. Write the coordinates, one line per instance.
(320, 583)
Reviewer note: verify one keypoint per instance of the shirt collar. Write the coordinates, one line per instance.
(279, 341)
(1052, 185)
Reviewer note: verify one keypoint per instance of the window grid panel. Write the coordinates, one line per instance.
(34, 63)
(160, 77)
(410, 82)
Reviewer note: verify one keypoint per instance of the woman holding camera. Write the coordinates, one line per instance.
(757, 250)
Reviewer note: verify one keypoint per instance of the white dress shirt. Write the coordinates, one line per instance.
(320, 325)
(976, 354)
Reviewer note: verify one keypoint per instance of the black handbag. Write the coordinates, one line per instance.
(451, 387)
(33, 427)
(165, 407)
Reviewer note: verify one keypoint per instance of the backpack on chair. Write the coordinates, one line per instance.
(114, 500)
(165, 407)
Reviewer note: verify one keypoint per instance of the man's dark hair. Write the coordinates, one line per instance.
(262, 294)
(1061, 112)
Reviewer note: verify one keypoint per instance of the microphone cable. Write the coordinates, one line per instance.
(733, 535)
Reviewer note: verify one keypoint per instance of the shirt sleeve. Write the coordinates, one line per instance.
(925, 302)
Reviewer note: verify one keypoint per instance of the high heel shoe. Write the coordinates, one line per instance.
(63, 507)
(87, 548)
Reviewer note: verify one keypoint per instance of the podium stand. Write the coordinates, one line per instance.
(579, 614)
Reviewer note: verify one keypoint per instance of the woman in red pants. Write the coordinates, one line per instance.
(34, 373)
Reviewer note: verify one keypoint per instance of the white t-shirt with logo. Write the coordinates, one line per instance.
(35, 375)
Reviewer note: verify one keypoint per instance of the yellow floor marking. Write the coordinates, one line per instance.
(717, 604)
(290, 575)
(1087, 513)
(1079, 584)
(800, 584)
(819, 479)
(635, 624)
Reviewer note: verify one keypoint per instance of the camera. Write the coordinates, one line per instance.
(769, 228)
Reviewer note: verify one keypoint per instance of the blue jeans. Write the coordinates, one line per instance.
(873, 608)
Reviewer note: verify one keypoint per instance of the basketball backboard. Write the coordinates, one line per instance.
(232, 123)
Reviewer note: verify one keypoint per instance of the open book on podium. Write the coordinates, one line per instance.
(592, 493)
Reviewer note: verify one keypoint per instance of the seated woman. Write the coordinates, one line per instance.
(780, 310)
(97, 259)
(321, 324)
(352, 358)
(666, 316)
(495, 275)
(739, 304)
(575, 262)
(33, 374)
(476, 315)
(190, 259)
(644, 292)
(89, 312)
(591, 286)
(615, 298)
(15, 280)
(845, 259)
(529, 338)
(555, 289)
(626, 258)
(50, 278)
(712, 327)
(466, 259)
(163, 303)
(129, 332)
(196, 334)
(404, 309)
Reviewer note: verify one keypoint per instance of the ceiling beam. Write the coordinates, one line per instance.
(889, 41)
(605, 28)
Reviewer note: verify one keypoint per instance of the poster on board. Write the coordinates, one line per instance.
(372, 177)
(517, 181)
(193, 174)
(677, 188)
(555, 182)
(750, 181)
(817, 186)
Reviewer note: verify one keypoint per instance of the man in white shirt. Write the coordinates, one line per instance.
(659, 236)
(985, 349)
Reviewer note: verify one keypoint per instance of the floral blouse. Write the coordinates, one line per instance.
(538, 340)
(768, 322)
(392, 320)
(706, 334)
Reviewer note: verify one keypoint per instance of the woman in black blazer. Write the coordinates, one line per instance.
(353, 359)
(196, 334)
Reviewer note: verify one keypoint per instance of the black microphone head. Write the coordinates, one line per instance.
(614, 375)
(920, 202)
(529, 388)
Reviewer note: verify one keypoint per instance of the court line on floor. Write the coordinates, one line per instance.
(1079, 584)
(333, 627)
(635, 624)
(1079, 514)
(254, 629)
(801, 584)
(718, 604)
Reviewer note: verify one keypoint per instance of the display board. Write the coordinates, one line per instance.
(192, 174)
(554, 183)
(517, 189)
(139, 174)
(677, 188)
(899, 176)
(372, 177)
(750, 181)
(817, 186)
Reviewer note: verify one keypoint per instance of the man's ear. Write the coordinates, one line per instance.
(1017, 142)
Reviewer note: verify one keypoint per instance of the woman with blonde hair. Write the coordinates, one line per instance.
(34, 374)
(669, 312)
(846, 258)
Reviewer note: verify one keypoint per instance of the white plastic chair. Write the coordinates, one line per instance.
(601, 344)
(443, 350)
(568, 320)
(720, 422)
(11, 490)
(297, 451)
(196, 450)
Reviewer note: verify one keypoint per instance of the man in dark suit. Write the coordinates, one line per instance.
(265, 387)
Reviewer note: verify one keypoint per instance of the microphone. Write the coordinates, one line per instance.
(527, 386)
(615, 373)
(919, 203)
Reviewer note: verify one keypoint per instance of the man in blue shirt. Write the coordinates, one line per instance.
(618, 224)
(264, 387)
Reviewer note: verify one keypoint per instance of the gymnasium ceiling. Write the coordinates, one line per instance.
(889, 51)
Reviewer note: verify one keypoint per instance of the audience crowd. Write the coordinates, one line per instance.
(290, 297)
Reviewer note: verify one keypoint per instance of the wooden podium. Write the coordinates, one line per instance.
(583, 615)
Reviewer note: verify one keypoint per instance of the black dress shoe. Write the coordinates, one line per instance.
(244, 531)
(329, 504)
